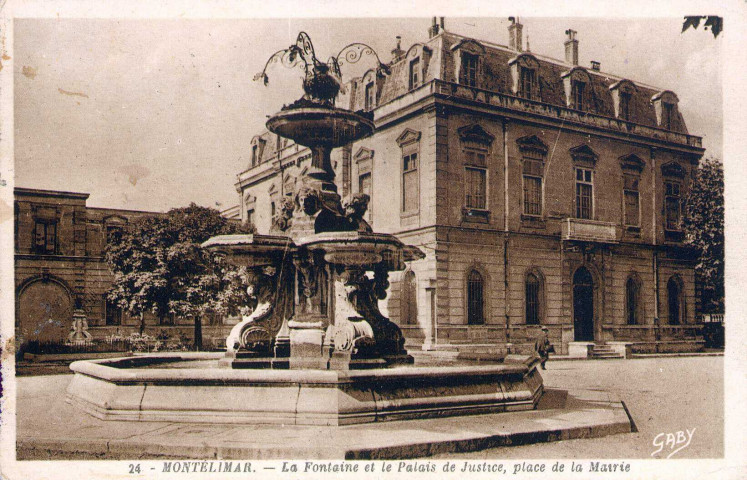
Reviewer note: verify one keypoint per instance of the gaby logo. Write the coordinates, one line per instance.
(673, 442)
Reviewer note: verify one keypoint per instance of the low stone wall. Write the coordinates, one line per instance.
(671, 346)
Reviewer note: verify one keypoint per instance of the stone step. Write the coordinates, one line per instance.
(606, 355)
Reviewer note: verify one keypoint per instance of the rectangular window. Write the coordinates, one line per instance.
(250, 216)
(364, 186)
(584, 193)
(415, 73)
(578, 95)
(527, 82)
(475, 179)
(475, 186)
(410, 193)
(625, 105)
(370, 97)
(254, 155)
(672, 205)
(468, 75)
(532, 195)
(632, 201)
(113, 314)
(533, 172)
(667, 114)
(45, 238)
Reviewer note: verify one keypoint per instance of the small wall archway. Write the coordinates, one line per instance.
(45, 309)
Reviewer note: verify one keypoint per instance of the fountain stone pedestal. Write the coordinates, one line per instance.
(315, 350)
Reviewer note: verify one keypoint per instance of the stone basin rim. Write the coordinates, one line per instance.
(102, 369)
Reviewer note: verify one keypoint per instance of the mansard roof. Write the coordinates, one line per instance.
(439, 62)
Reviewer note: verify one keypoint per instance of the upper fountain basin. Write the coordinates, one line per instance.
(313, 126)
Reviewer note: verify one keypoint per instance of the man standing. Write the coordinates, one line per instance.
(542, 347)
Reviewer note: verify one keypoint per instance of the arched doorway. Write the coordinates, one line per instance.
(45, 311)
(583, 305)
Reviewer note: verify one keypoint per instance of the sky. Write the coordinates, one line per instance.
(155, 114)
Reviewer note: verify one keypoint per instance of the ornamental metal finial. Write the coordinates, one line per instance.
(322, 81)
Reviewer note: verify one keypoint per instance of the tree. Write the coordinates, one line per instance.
(715, 23)
(704, 227)
(159, 267)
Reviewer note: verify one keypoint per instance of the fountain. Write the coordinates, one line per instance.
(316, 350)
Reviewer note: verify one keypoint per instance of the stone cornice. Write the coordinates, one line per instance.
(521, 109)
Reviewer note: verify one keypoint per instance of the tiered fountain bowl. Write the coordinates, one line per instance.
(316, 350)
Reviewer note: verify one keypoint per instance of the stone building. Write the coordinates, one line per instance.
(543, 192)
(60, 267)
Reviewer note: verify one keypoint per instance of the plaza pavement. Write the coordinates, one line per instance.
(664, 394)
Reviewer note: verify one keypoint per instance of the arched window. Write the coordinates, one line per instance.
(475, 298)
(409, 298)
(676, 306)
(532, 287)
(632, 301)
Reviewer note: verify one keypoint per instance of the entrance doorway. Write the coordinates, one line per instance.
(583, 305)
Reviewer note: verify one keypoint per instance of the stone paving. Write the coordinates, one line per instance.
(663, 394)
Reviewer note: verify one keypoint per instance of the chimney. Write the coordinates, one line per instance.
(596, 66)
(433, 31)
(514, 34)
(398, 53)
(571, 47)
(442, 24)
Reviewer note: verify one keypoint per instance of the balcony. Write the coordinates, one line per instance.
(588, 231)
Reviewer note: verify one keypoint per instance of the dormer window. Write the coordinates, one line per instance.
(622, 98)
(370, 96)
(468, 74)
(415, 79)
(468, 55)
(527, 82)
(578, 95)
(667, 115)
(258, 145)
(577, 85)
(665, 107)
(525, 76)
(624, 105)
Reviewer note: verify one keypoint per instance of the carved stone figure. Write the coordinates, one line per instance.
(355, 209)
(79, 330)
(284, 218)
(262, 290)
(363, 296)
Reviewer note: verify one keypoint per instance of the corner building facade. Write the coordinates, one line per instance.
(543, 193)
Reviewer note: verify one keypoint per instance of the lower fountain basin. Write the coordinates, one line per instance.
(164, 387)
